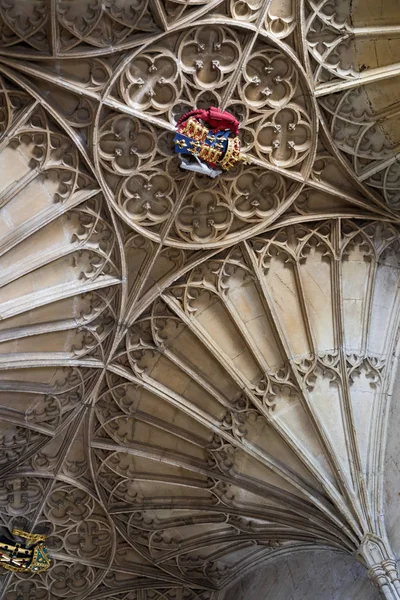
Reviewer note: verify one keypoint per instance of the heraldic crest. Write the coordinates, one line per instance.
(208, 142)
(23, 552)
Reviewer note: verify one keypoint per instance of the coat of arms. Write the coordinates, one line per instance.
(23, 552)
(207, 141)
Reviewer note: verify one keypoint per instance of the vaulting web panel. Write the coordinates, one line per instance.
(195, 373)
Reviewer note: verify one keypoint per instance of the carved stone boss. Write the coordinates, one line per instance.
(211, 138)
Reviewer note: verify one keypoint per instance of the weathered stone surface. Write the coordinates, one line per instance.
(304, 576)
(198, 377)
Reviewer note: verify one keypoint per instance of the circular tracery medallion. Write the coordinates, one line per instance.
(266, 90)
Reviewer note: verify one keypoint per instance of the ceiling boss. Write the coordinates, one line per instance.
(23, 552)
(207, 141)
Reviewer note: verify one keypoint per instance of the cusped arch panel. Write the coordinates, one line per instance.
(278, 351)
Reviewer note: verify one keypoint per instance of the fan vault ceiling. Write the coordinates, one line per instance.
(196, 374)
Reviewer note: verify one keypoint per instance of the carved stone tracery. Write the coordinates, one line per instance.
(195, 374)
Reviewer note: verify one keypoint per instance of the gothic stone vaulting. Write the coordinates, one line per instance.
(199, 396)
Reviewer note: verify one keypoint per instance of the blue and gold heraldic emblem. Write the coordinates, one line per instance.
(23, 552)
(207, 142)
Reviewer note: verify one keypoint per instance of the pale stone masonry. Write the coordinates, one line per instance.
(199, 397)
